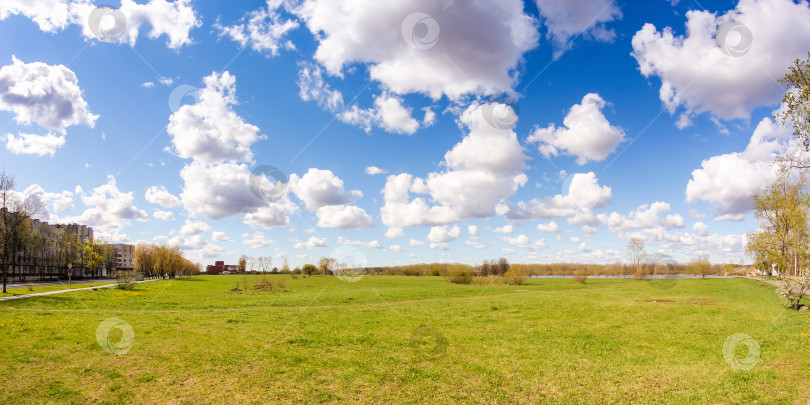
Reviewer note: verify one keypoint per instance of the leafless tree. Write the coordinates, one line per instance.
(502, 266)
(636, 254)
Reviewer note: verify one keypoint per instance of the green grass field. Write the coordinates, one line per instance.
(387, 339)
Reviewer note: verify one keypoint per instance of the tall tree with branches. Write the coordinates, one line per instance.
(15, 211)
(636, 254)
(783, 212)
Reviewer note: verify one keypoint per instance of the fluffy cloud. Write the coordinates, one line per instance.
(33, 144)
(313, 87)
(388, 112)
(394, 233)
(698, 75)
(566, 20)
(107, 208)
(472, 46)
(373, 244)
(264, 30)
(482, 170)
(160, 196)
(209, 131)
(59, 202)
(473, 231)
(173, 19)
(372, 170)
(163, 215)
(729, 181)
(441, 234)
(504, 229)
(257, 241)
(344, 217)
(319, 188)
(474, 244)
(272, 214)
(645, 217)
(550, 227)
(519, 241)
(46, 95)
(414, 242)
(218, 191)
(312, 243)
(216, 184)
(50, 15)
(700, 229)
(193, 228)
(220, 236)
(587, 134)
(584, 195)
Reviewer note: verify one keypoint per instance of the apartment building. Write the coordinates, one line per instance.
(124, 256)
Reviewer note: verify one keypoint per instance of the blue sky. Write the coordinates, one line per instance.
(628, 124)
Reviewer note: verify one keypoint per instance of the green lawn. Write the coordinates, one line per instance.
(390, 339)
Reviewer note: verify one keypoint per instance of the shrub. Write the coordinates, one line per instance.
(514, 280)
(125, 280)
(580, 276)
(294, 276)
(483, 281)
(270, 284)
(460, 277)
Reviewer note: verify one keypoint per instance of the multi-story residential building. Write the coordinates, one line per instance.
(44, 257)
(124, 256)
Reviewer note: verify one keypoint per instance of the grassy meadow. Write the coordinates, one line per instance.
(391, 339)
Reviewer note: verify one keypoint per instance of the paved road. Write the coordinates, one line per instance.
(16, 297)
(774, 283)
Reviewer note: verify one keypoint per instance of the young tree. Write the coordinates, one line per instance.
(108, 258)
(326, 265)
(782, 213)
(91, 257)
(14, 212)
(701, 265)
(782, 238)
(636, 254)
(309, 269)
(797, 100)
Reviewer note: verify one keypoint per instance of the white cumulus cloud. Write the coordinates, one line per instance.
(587, 134)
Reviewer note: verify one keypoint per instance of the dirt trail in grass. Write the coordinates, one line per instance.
(67, 290)
(774, 283)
